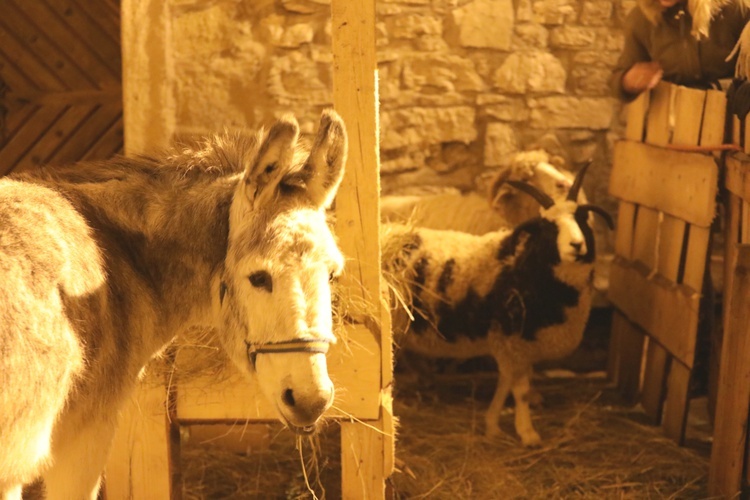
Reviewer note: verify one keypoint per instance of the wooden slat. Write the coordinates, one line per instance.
(658, 128)
(89, 32)
(688, 111)
(108, 143)
(654, 379)
(29, 133)
(14, 120)
(353, 364)
(676, 404)
(745, 222)
(645, 237)
(15, 52)
(731, 421)
(695, 260)
(714, 116)
(70, 97)
(36, 41)
(630, 356)
(731, 235)
(84, 137)
(66, 124)
(67, 41)
(13, 77)
(681, 184)
(671, 235)
(736, 130)
(104, 13)
(666, 311)
(636, 117)
(625, 226)
(738, 175)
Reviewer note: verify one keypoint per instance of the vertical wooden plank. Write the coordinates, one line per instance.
(676, 404)
(735, 130)
(658, 130)
(139, 464)
(688, 115)
(365, 450)
(645, 237)
(745, 222)
(671, 235)
(732, 238)
(695, 260)
(149, 106)
(629, 356)
(730, 424)
(636, 117)
(625, 226)
(654, 378)
(714, 116)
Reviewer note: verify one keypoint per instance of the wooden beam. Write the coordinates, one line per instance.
(149, 106)
(738, 175)
(625, 226)
(730, 424)
(679, 183)
(676, 404)
(628, 353)
(654, 381)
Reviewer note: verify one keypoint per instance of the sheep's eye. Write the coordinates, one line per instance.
(261, 279)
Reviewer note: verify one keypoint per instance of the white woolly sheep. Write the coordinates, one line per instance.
(522, 295)
(471, 213)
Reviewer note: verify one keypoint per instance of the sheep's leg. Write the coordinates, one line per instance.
(492, 417)
(12, 493)
(524, 427)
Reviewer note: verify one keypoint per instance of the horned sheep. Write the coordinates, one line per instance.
(505, 206)
(522, 295)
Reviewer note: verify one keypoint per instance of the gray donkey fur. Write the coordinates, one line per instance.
(103, 263)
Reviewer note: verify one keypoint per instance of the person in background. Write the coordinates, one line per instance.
(686, 42)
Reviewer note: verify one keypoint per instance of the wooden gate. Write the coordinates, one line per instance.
(667, 183)
(60, 81)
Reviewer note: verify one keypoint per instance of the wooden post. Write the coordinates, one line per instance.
(730, 425)
(367, 449)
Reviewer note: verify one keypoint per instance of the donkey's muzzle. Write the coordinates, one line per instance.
(306, 409)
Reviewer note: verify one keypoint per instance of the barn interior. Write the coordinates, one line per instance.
(440, 97)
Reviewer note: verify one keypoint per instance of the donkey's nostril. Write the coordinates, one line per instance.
(288, 397)
(577, 246)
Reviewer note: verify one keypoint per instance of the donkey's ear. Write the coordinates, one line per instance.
(324, 168)
(273, 162)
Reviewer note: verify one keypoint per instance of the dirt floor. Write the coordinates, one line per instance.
(595, 447)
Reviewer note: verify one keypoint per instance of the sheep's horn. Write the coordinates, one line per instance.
(578, 182)
(543, 198)
(599, 211)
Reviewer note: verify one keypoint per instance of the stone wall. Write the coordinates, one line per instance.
(463, 83)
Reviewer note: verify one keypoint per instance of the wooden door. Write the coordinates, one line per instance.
(60, 81)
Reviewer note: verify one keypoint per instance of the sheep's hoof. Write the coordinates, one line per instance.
(492, 432)
(531, 440)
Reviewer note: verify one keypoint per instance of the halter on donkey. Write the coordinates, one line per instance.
(101, 264)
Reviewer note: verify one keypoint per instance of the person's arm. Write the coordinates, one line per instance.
(634, 71)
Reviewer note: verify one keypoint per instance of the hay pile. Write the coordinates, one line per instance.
(594, 447)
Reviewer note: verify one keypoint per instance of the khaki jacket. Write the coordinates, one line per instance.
(652, 35)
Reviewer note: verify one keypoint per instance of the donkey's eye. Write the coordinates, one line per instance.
(261, 279)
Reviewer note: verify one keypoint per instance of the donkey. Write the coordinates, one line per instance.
(102, 263)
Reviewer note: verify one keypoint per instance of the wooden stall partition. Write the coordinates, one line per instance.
(730, 467)
(667, 204)
(145, 461)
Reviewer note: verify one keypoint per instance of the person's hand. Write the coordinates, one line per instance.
(642, 76)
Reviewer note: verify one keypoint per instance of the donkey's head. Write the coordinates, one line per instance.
(569, 219)
(275, 292)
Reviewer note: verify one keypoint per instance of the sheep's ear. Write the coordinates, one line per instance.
(543, 198)
(557, 161)
(274, 161)
(324, 168)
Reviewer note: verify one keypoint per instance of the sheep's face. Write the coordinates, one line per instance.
(571, 243)
(552, 181)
